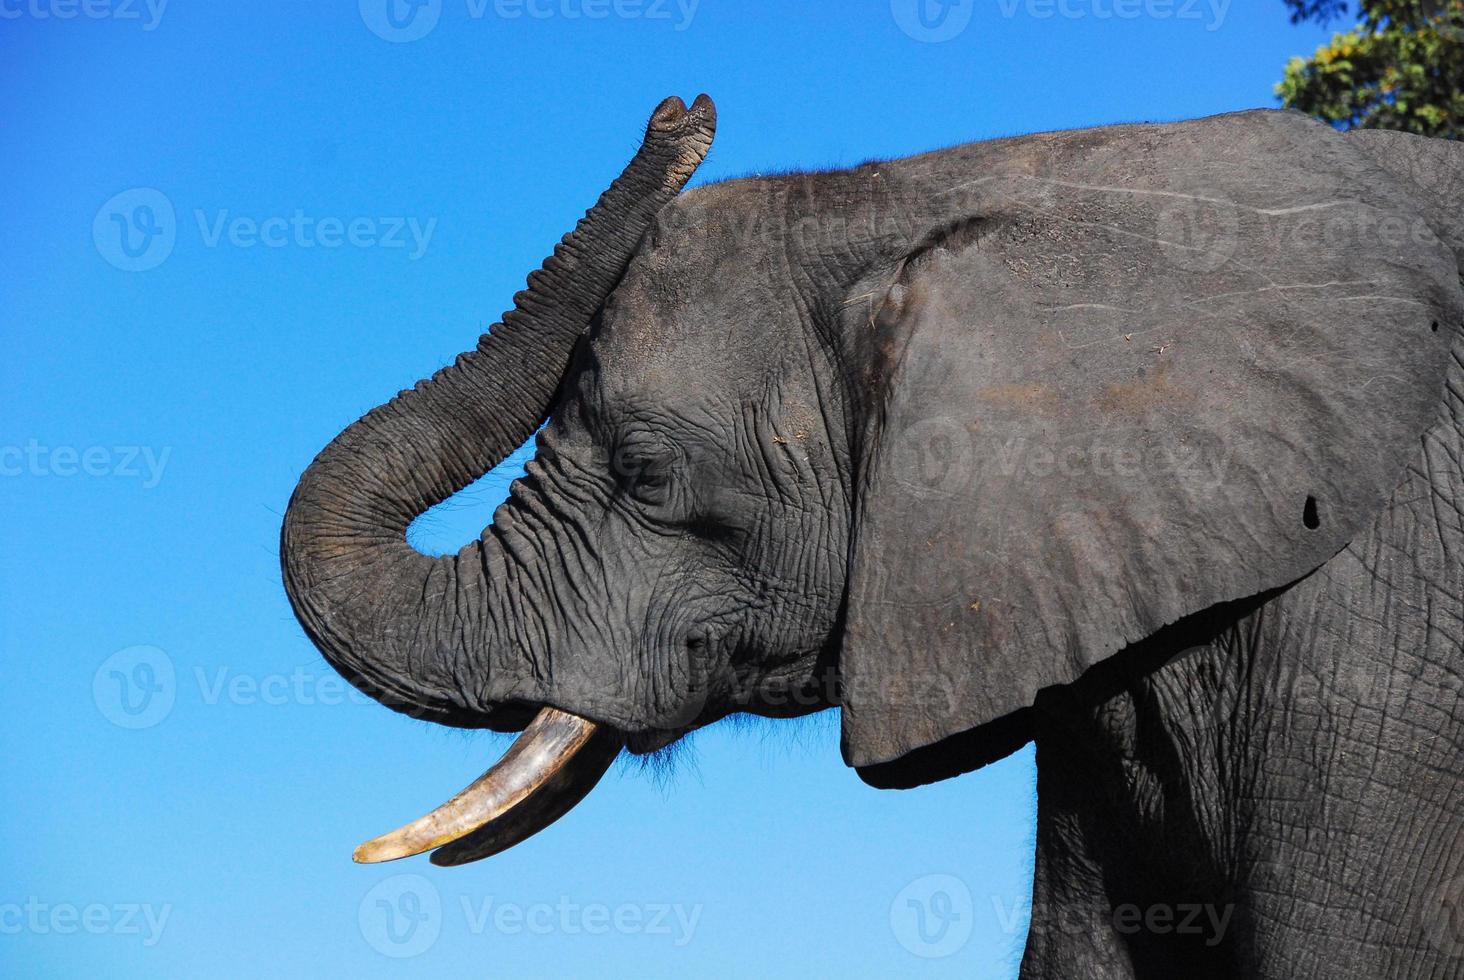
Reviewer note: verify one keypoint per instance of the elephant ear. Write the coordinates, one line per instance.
(1146, 371)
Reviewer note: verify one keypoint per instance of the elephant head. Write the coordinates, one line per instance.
(916, 439)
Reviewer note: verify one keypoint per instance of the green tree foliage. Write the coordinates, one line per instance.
(1400, 67)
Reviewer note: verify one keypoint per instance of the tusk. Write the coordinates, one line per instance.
(547, 770)
(559, 794)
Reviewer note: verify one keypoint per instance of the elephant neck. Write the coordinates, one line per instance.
(847, 236)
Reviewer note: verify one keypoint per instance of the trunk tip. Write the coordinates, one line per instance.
(672, 115)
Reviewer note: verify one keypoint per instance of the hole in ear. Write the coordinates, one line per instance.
(1434, 326)
(1309, 514)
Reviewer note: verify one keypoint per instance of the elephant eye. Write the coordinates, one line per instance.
(644, 470)
(651, 485)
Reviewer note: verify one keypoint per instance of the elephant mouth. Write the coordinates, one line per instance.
(548, 769)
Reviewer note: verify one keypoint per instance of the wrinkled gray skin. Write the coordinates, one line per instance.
(1270, 728)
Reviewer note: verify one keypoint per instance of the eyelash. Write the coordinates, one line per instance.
(639, 475)
(713, 530)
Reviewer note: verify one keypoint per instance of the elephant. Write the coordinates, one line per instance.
(1144, 443)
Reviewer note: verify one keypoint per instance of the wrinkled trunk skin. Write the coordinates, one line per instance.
(1294, 774)
(440, 638)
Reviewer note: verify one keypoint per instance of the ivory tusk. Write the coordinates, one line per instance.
(547, 770)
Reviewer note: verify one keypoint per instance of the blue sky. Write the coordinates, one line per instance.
(322, 204)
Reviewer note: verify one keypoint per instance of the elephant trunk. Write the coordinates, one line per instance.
(407, 628)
